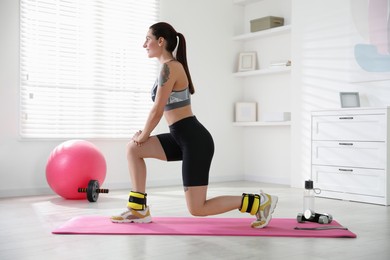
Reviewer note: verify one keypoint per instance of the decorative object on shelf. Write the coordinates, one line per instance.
(349, 99)
(246, 112)
(266, 23)
(280, 64)
(276, 116)
(247, 61)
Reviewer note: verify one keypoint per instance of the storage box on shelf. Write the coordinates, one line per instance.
(350, 154)
(266, 23)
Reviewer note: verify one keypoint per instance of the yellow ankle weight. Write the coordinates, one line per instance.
(250, 203)
(137, 200)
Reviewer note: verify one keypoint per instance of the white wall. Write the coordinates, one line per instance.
(208, 28)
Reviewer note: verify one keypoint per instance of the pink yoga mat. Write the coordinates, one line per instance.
(278, 227)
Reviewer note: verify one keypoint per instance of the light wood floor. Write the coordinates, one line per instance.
(26, 225)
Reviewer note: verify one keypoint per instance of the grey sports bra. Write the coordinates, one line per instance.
(176, 99)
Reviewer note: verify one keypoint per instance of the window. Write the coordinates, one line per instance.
(83, 70)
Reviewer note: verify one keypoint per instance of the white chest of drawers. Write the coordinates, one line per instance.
(350, 154)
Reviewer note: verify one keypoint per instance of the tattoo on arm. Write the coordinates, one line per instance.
(164, 75)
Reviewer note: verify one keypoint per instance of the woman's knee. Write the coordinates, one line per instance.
(197, 211)
(131, 149)
(196, 200)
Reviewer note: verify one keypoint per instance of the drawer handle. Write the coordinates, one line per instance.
(345, 143)
(346, 118)
(345, 170)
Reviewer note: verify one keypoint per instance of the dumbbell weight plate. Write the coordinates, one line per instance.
(92, 195)
(300, 218)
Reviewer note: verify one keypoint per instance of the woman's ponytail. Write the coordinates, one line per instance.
(181, 56)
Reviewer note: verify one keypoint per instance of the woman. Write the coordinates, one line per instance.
(188, 140)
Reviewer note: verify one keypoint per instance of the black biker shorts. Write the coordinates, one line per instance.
(189, 141)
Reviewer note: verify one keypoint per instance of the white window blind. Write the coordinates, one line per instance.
(84, 72)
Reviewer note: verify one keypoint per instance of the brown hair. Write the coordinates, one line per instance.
(170, 35)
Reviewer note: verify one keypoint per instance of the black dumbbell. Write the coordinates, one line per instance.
(321, 218)
(93, 190)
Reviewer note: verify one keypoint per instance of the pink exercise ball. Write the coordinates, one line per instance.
(71, 165)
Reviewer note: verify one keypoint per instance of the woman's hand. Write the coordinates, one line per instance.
(139, 139)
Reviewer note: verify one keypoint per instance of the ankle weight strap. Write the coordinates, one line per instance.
(250, 203)
(137, 200)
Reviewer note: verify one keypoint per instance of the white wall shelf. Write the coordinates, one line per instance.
(263, 71)
(245, 2)
(283, 123)
(265, 33)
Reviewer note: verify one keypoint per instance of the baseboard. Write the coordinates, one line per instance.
(267, 179)
(9, 193)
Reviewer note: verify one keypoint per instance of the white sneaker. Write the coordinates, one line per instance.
(267, 207)
(133, 216)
